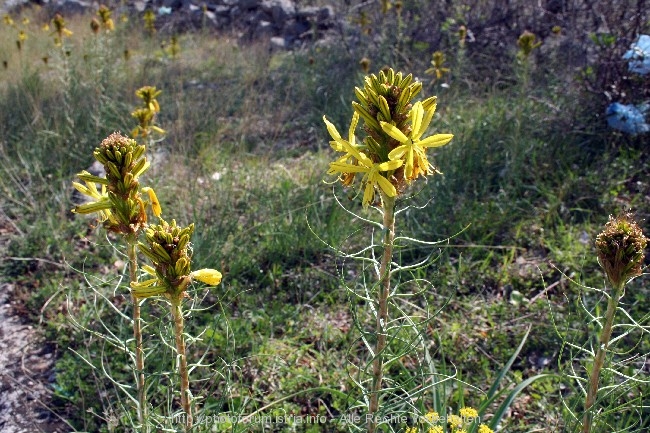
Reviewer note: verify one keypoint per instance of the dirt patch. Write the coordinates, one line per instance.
(26, 374)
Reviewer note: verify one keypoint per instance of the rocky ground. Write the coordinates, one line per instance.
(26, 368)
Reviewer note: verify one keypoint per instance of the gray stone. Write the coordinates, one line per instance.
(279, 10)
(278, 43)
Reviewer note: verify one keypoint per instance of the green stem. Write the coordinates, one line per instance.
(137, 335)
(177, 314)
(382, 311)
(599, 360)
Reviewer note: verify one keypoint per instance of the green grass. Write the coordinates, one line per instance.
(529, 180)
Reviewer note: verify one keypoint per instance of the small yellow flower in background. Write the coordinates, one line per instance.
(455, 422)
(432, 417)
(149, 21)
(22, 37)
(468, 412)
(527, 44)
(148, 94)
(484, 429)
(45, 27)
(385, 6)
(174, 47)
(437, 67)
(146, 113)
(104, 14)
(25, 21)
(412, 148)
(411, 430)
(59, 29)
(435, 429)
(8, 20)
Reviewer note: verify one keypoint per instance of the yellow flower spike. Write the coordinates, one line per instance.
(484, 429)
(155, 204)
(211, 277)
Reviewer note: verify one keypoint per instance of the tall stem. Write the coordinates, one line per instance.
(177, 313)
(382, 311)
(137, 335)
(599, 360)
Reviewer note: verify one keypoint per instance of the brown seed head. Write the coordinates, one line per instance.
(621, 249)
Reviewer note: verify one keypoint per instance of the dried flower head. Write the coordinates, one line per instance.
(462, 35)
(94, 25)
(621, 249)
(365, 64)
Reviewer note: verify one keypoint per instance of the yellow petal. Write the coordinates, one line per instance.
(207, 276)
(437, 140)
(353, 127)
(394, 132)
(386, 186)
(155, 204)
(416, 119)
(332, 129)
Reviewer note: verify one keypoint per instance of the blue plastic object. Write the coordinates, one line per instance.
(628, 118)
(639, 56)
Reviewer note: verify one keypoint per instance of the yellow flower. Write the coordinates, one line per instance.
(8, 20)
(155, 204)
(484, 429)
(411, 430)
(211, 277)
(468, 412)
(432, 417)
(372, 177)
(436, 65)
(436, 429)
(412, 149)
(455, 422)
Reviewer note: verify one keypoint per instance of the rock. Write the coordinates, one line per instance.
(289, 24)
(279, 10)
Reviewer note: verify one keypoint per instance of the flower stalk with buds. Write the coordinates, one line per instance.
(621, 251)
(168, 248)
(390, 157)
(122, 210)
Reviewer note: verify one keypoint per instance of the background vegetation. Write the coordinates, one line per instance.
(531, 176)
